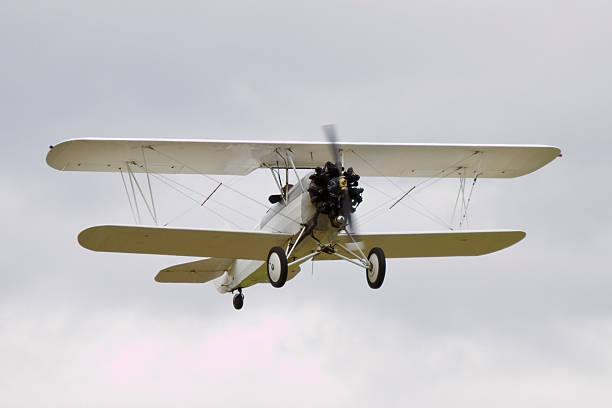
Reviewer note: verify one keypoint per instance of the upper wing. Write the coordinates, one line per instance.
(433, 244)
(242, 157)
(183, 242)
(200, 271)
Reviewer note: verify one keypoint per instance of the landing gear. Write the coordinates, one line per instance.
(238, 300)
(375, 273)
(277, 267)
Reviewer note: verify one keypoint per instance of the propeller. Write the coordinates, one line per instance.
(332, 190)
(346, 179)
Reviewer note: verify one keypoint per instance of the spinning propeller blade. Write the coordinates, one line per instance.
(332, 138)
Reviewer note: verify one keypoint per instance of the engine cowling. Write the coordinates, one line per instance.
(327, 190)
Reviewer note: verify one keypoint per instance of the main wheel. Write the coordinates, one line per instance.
(238, 301)
(375, 274)
(277, 267)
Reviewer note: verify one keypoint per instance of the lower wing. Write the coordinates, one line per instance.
(235, 244)
(231, 244)
(431, 244)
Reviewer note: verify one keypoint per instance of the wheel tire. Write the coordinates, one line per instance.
(277, 267)
(375, 274)
(238, 301)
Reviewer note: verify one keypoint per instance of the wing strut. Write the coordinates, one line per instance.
(467, 204)
(127, 193)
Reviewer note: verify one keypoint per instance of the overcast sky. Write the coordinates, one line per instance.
(530, 325)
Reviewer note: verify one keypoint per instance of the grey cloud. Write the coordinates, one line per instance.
(530, 323)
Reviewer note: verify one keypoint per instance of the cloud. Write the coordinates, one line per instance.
(526, 325)
(317, 354)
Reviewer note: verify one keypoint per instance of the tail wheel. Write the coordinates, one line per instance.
(277, 267)
(375, 274)
(238, 301)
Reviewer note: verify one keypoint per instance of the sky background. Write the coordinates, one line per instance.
(530, 325)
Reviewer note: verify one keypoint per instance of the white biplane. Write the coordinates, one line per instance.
(310, 220)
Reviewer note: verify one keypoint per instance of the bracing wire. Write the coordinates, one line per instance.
(370, 215)
(128, 196)
(168, 179)
(468, 203)
(194, 207)
(144, 198)
(433, 217)
(130, 175)
(144, 160)
(212, 179)
(226, 186)
(440, 174)
(461, 181)
(423, 184)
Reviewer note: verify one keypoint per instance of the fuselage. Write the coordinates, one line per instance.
(287, 216)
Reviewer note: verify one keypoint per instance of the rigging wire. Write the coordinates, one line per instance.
(439, 174)
(211, 178)
(423, 184)
(370, 215)
(461, 183)
(167, 180)
(431, 216)
(144, 160)
(133, 192)
(468, 202)
(128, 196)
(226, 186)
(191, 209)
(161, 176)
(143, 197)
(478, 173)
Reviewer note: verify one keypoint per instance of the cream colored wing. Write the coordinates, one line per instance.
(242, 157)
(200, 271)
(183, 242)
(433, 244)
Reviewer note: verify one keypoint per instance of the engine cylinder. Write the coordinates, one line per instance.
(328, 186)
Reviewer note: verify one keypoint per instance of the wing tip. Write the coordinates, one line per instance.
(553, 152)
(519, 236)
(158, 277)
(82, 238)
(86, 237)
(514, 237)
(53, 158)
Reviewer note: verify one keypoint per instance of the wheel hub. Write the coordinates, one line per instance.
(274, 267)
(373, 269)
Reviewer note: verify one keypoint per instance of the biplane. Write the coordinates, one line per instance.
(309, 220)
